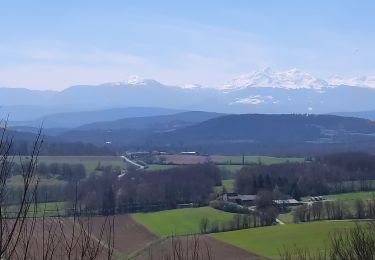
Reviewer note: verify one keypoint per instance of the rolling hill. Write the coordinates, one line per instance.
(156, 123)
(362, 114)
(250, 133)
(78, 118)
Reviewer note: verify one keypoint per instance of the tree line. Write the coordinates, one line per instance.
(109, 193)
(335, 210)
(326, 174)
(353, 243)
(24, 147)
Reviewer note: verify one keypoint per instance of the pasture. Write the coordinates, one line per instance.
(89, 162)
(179, 221)
(231, 168)
(351, 196)
(253, 159)
(46, 209)
(159, 167)
(270, 241)
(181, 159)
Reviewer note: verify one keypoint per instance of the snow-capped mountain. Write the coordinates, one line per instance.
(269, 78)
(265, 91)
(133, 80)
(364, 81)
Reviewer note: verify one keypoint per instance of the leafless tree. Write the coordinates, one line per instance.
(355, 243)
(27, 234)
(182, 248)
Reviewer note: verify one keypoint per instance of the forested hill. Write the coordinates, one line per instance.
(287, 134)
(256, 128)
(156, 123)
(23, 144)
(252, 130)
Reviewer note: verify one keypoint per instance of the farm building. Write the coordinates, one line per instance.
(287, 203)
(246, 200)
(189, 153)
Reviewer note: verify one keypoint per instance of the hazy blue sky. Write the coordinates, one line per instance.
(55, 44)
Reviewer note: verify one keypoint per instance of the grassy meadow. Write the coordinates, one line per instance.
(270, 241)
(254, 159)
(90, 162)
(159, 167)
(46, 209)
(179, 221)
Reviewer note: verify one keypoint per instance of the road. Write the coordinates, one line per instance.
(141, 167)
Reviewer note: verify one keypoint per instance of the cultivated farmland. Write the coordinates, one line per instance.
(90, 162)
(223, 159)
(270, 241)
(179, 221)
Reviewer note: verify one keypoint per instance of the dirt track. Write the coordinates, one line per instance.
(131, 236)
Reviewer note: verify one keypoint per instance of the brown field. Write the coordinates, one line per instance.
(57, 233)
(217, 250)
(129, 236)
(131, 241)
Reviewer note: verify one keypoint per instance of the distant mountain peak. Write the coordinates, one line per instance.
(267, 77)
(133, 80)
(362, 81)
(189, 86)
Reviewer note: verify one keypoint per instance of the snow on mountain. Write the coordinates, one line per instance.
(189, 86)
(266, 78)
(364, 81)
(255, 100)
(290, 79)
(133, 80)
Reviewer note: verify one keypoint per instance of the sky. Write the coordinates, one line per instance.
(57, 44)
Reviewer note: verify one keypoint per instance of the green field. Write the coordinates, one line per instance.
(351, 196)
(90, 162)
(231, 168)
(17, 180)
(269, 241)
(159, 167)
(254, 159)
(348, 196)
(179, 221)
(46, 209)
(287, 218)
(228, 184)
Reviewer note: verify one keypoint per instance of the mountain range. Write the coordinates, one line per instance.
(265, 91)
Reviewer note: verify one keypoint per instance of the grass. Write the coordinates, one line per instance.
(46, 209)
(270, 241)
(90, 162)
(287, 218)
(17, 180)
(231, 168)
(350, 196)
(254, 159)
(179, 221)
(159, 167)
(228, 184)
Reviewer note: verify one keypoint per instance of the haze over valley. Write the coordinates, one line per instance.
(187, 130)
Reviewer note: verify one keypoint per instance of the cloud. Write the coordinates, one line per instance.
(174, 53)
(52, 68)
